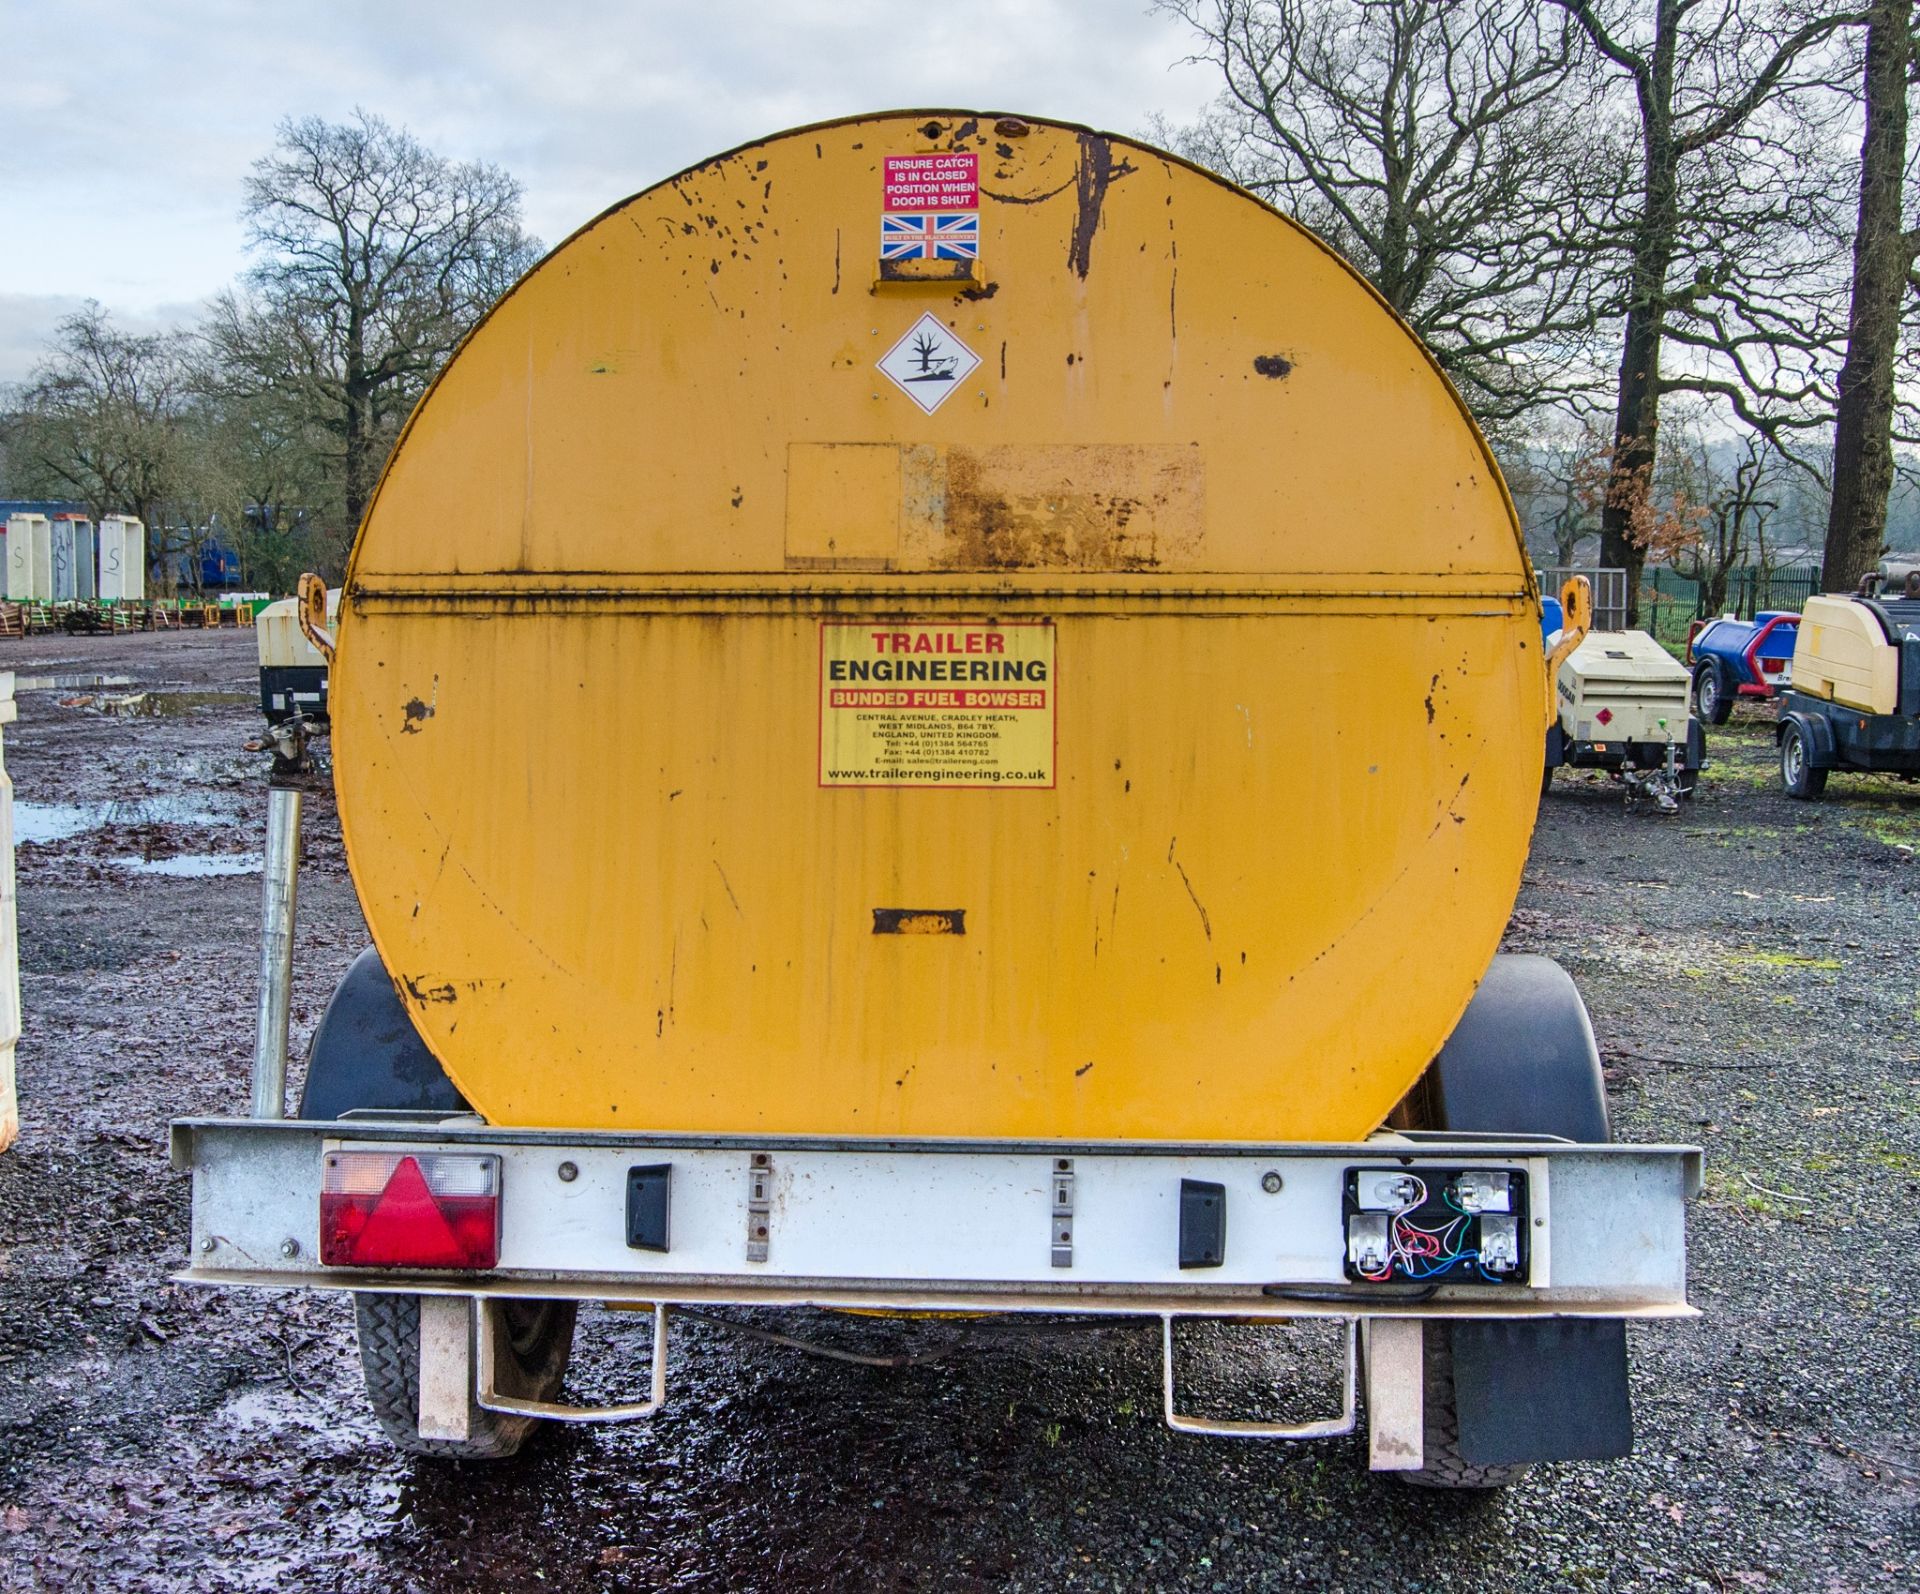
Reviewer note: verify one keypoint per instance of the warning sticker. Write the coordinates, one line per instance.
(936, 704)
(931, 182)
(930, 209)
(929, 363)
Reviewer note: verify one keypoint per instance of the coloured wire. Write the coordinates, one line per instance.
(1419, 1253)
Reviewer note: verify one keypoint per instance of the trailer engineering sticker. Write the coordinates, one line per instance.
(936, 704)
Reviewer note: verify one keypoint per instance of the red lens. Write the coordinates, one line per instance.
(406, 1222)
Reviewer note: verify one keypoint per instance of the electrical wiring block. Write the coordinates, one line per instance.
(1439, 1226)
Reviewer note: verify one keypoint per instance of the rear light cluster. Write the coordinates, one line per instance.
(1773, 666)
(410, 1209)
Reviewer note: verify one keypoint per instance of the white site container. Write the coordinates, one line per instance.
(72, 554)
(9, 938)
(29, 558)
(123, 559)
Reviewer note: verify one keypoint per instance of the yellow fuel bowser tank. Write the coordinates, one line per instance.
(939, 625)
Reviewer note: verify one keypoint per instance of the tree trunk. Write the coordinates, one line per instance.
(1636, 425)
(357, 392)
(359, 442)
(1882, 257)
(1636, 438)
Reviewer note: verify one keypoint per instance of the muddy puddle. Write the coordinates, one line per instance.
(43, 823)
(194, 865)
(68, 683)
(156, 705)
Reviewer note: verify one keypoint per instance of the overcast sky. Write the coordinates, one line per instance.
(129, 124)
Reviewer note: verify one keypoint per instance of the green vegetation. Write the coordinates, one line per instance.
(1782, 960)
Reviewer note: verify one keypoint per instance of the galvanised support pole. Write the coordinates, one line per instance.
(282, 892)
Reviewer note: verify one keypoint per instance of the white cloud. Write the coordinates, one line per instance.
(127, 188)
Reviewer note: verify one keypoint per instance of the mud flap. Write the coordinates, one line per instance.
(366, 1053)
(1522, 1060)
(1553, 1391)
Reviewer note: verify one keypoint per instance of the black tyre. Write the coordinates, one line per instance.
(1546, 779)
(1797, 773)
(1443, 1467)
(535, 1341)
(1713, 693)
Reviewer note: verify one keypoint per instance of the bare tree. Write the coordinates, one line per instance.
(98, 419)
(274, 469)
(1558, 481)
(373, 258)
(1737, 498)
(116, 420)
(1451, 151)
(1726, 231)
(1883, 263)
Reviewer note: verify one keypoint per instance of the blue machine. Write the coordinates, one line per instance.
(1732, 659)
(219, 566)
(1552, 620)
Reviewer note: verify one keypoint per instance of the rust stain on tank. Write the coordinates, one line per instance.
(1055, 506)
(1097, 170)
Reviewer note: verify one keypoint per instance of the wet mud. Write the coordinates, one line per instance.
(1752, 969)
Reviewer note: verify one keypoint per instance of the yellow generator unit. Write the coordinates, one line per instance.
(1855, 699)
(941, 712)
(1847, 654)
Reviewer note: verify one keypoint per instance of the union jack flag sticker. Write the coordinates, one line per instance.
(930, 236)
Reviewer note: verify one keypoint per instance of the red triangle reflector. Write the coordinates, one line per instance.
(407, 1225)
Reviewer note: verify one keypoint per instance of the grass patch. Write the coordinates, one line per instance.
(1782, 960)
(1889, 829)
(1742, 1192)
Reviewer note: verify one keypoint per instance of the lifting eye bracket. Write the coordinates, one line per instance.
(313, 615)
(1576, 616)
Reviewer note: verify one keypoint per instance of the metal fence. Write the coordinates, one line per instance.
(1670, 603)
(1609, 592)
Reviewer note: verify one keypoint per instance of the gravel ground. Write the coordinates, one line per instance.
(1751, 968)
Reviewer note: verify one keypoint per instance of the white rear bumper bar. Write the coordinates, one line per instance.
(950, 1225)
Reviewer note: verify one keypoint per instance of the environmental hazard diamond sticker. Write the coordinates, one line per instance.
(929, 363)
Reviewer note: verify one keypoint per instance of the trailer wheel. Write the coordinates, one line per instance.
(1797, 771)
(1443, 1466)
(1712, 695)
(1546, 779)
(535, 1338)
